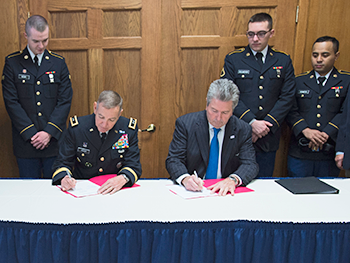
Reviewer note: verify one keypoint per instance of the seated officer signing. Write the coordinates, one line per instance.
(213, 144)
(98, 144)
(316, 113)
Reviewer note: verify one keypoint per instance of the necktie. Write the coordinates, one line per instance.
(103, 137)
(259, 56)
(212, 169)
(320, 82)
(36, 62)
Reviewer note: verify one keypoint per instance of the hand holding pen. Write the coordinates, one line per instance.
(193, 182)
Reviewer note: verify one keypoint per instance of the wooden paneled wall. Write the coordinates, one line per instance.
(161, 55)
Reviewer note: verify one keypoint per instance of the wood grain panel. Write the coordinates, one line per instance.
(78, 67)
(68, 24)
(193, 90)
(122, 73)
(200, 22)
(120, 23)
(86, 4)
(328, 18)
(10, 23)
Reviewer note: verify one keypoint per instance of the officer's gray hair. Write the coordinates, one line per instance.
(110, 99)
(37, 22)
(224, 90)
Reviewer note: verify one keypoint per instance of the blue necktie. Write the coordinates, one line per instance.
(212, 169)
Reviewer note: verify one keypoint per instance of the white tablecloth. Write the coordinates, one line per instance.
(38, 201)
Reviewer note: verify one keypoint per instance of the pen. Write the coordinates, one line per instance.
(196, 175)
(70, 177)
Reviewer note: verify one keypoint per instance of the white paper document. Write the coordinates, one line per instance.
(181, 191)
(84, 188)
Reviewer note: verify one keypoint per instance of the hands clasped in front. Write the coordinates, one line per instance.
(194, 183)
(109, 187)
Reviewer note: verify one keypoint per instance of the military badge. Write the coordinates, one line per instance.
(122, 143)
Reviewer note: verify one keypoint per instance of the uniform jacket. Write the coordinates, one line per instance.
(36, 100)
(189, 149)
(265, 94)
(317, 109)
(83, 155)
(343, 139)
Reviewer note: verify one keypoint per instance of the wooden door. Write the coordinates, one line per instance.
(196, 36)
(160, 55)
(110, 45)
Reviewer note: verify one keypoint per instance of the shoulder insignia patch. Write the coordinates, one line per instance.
(15, 54)
(74, 121)
(344, 72)
(222, 73)
(55, 55)
(303, 74)
(132, 123)
(279, 51)
(237, 51)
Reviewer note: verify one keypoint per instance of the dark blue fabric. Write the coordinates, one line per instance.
(226, 241)
(212, 169)
(35, 168)
(266, 161)
(303, 168)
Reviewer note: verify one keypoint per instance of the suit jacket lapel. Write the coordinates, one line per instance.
(202, 136)
(270, 60)
(113, 136)
(332, 81)
(92, 133)
(228, 143)
(250, 59)
(27, 62)
(45, 65)
(311, 82)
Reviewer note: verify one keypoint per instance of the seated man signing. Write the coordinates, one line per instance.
(98, 144)
(213, 144)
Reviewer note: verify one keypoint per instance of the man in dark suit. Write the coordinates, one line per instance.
(190, 157)
(316, 114)
(37, 93)
(265, 78)
(98, 144)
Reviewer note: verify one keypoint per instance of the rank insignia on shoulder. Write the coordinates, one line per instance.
(132, 123)
(222, 72)
(74, 121)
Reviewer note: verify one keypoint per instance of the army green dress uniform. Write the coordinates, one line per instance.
(83, 155)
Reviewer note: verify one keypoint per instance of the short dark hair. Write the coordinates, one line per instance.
(329, 39)
(261, 17)
(37, 22)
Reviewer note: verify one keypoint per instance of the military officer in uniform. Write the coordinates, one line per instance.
(316, 113)
(98, 144)
(37, 93)
(265, 78)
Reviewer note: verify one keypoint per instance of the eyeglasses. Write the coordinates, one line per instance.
(260, 34)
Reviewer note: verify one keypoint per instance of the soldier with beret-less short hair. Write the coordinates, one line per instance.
(99, 144)
(317, 113)
(37, 93)
(265, 78)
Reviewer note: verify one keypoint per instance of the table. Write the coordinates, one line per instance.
(39, 223)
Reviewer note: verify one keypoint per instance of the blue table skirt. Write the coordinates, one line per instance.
(225, 241)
